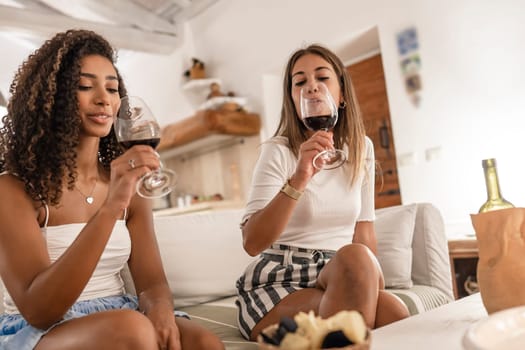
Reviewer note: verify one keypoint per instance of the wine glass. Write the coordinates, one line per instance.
(319, 112)
(136, 125)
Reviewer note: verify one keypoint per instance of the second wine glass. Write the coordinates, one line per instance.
(135, 124)
(319, 112)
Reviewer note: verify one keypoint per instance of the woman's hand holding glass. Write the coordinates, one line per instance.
(136, 125)
(309, 149)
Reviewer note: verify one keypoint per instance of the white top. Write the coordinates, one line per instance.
(106, 280)
(328, 210)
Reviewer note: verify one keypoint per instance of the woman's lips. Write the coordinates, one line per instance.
(99, 117)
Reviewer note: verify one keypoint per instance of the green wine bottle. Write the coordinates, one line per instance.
(495, 201)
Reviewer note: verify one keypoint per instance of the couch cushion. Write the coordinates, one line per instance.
(419, 299)
(202, 254)
(394, 230)
(221, 318)
(431, 265)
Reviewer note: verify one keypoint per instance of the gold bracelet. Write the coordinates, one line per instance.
(291, 192)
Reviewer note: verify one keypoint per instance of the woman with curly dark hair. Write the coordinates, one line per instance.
(69, 217)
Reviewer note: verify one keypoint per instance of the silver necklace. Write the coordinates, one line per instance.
(89, 199)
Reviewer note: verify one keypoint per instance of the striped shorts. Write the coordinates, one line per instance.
(278, 272)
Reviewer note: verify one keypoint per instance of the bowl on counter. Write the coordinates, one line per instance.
(273, 328)
(501, 330)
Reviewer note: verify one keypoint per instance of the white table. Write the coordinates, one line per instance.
(439, 329)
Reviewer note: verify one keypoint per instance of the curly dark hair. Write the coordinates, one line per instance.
(41, 129)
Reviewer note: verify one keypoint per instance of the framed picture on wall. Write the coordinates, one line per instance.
(407, 41)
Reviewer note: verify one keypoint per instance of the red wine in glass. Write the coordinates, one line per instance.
(322, 122)
(152, 142)
(136, 125)
(319, 112)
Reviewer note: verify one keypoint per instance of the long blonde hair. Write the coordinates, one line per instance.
(349, 130)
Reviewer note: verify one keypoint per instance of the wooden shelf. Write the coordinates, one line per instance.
(199, 207)
(201, 146)
(213, 125)
(216, 102)
(197, 90)
(209, 122)
(198, 85)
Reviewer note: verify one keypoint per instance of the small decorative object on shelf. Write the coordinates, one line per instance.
(215, 90)
(197, 90)
(216, 99)
(200, 86)
(495, 200)
(197, 70)
(224, 103)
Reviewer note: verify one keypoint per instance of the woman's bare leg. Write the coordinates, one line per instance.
(123, 329)
(303, 300)
(112, 330)
(349, 281)
(390, 308)
(196, 337)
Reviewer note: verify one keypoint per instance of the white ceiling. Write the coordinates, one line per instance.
(142, 25)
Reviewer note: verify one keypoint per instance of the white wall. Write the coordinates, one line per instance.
(155, 77)
(158, 79)
(14, 51)
(473, 84)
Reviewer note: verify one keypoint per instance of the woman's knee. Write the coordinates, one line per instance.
(356, 260)
(133, 330)
(208, 341)
(195, 336)
(115, 330)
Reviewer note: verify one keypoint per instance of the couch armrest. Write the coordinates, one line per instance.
(430, 260)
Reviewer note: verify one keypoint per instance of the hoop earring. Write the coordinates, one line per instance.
(342, 105)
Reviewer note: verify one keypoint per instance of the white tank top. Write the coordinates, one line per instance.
(106, 280)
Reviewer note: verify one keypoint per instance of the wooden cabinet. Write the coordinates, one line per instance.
(463, 264)
(369, 82)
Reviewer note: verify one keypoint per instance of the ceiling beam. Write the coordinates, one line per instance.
(197, 6)
(44, 25)
(116, 11)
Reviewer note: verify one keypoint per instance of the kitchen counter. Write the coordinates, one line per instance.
(202, 206)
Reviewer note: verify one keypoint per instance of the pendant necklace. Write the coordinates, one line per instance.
(89, 199)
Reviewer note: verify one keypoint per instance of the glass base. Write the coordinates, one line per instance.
(156, 184)
(328, 160)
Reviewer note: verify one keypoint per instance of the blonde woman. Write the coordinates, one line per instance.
(313, 230)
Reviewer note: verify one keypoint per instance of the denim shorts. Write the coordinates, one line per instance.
(17, 334)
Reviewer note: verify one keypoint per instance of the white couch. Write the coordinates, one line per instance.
(203, 256)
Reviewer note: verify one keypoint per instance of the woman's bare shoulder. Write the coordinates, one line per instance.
(10, 182)
(13, 187)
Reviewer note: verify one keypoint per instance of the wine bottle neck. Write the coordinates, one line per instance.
(492, 183)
